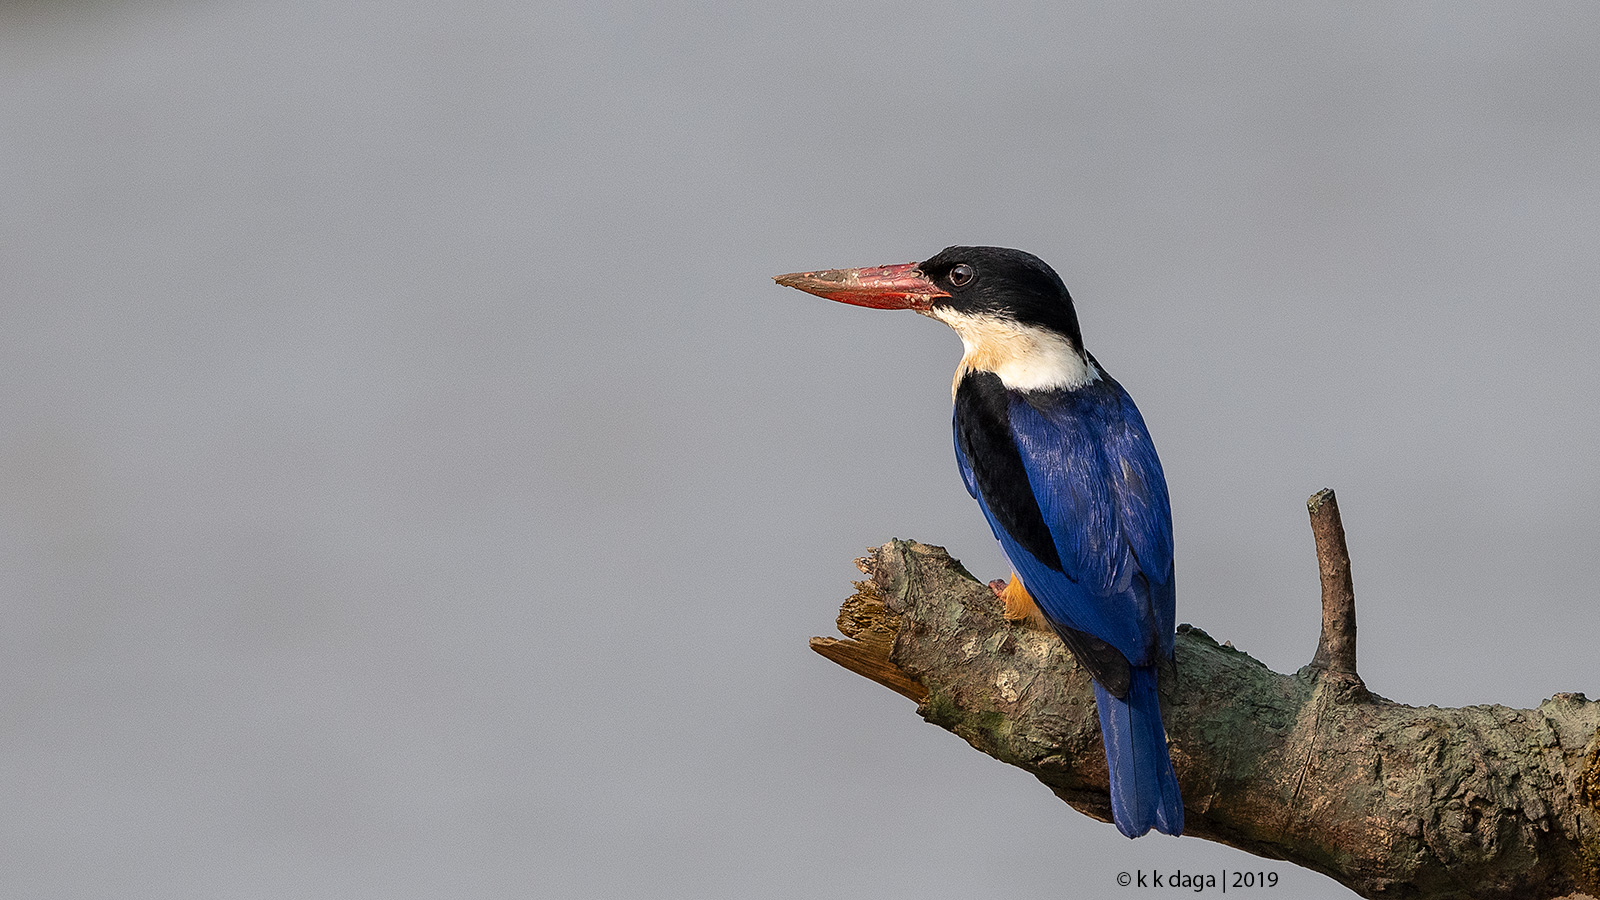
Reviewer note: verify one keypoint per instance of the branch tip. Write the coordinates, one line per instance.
(1336, 647)
(871, 661)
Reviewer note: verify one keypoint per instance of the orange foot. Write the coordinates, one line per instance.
(1019, 605)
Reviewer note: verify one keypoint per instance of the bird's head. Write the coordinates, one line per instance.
(1012, 311)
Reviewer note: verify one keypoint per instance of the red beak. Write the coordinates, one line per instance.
(880, 287)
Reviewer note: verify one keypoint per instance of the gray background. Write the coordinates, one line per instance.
(411, 484)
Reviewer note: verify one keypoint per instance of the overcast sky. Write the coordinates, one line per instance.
(412, 484)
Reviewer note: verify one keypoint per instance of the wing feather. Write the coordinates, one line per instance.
(1099, 487)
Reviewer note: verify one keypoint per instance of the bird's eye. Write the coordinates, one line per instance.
(961, 275)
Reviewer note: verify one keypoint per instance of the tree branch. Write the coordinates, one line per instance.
(1390, 800)
(1336, 647)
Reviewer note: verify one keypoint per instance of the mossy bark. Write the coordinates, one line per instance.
(1390, 800)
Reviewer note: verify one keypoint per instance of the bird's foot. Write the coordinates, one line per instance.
(1019, 604)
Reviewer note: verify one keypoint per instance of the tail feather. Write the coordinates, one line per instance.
(1144, 790)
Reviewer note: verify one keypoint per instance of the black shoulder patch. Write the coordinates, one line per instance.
(983, 429)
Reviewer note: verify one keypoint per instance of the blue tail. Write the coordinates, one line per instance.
(1144, 790)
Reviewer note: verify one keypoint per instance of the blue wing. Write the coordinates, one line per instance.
(1095, 476)
(1090, 533)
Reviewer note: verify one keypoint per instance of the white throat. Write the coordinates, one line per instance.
(1025, 357)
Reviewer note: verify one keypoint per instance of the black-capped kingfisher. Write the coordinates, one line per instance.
(1061, 463)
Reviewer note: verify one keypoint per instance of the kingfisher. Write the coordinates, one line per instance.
(1063, 467)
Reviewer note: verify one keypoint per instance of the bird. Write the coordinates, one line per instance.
(1063, 467)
